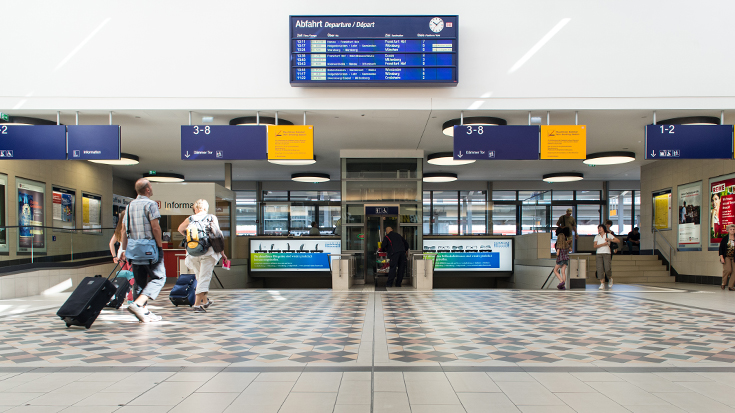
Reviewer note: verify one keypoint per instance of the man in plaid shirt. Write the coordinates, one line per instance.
(144, 218)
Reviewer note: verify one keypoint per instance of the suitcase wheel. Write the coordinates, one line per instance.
(68, 325)
(88, 325)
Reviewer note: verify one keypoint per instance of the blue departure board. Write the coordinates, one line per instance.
(689, 142)
(374, 50)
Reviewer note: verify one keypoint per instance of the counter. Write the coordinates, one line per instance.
(472, 256)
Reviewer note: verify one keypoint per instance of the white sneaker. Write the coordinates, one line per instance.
(609, 284)
(137, 311)
(152, 318)
(602, 286)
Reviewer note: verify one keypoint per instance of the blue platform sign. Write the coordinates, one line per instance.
(489, 142)
(223, 142)
(689, 142)
(95, 142)
(32, 142)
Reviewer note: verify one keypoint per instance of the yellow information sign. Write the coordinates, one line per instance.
(291, 142)
(563, 142)
(661, 209)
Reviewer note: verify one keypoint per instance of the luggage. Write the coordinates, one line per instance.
(123, 283)
(184, 292)
(87, 301)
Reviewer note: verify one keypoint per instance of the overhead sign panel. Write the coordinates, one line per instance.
(223, 142)
(374, 50)
(96, 142)
(488, 142)
(563, 142)
(286, 142)
(689, 142)
(32, 142)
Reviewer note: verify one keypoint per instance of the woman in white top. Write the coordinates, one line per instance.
(202, 265)
(604, 254)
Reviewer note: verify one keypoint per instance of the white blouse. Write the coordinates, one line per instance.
(605, 249)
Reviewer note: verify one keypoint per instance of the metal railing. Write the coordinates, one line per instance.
(672, 250)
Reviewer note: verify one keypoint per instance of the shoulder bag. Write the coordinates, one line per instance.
(140, 251)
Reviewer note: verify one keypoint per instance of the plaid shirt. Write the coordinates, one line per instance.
(562, 254)
(143, 210)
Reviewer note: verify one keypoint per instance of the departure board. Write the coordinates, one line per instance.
(374, 50)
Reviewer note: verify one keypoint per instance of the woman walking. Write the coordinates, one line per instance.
(562, 258)
(602, 242)
(727, 254)
(203, 265)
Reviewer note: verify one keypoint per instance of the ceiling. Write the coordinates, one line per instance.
(155, 137)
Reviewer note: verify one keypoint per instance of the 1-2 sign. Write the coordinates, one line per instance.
(689, 142)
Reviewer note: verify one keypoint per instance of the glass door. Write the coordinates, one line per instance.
(373, 235)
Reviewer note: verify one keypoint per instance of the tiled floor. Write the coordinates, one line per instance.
(635, 348)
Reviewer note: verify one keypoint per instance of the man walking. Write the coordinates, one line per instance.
(568, 225)
(142, 220)
(397, 248)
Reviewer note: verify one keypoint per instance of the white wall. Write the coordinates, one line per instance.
(234, 55)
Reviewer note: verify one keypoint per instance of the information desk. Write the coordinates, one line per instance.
(292, 256)
(472, 256)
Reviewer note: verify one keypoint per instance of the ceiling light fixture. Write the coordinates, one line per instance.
(255, 120)
(448, 126)
(26, 121)
(563, 177)
(293, 162)
(447, 159)
(125, 159)
(164, 177)
(440, 177)
(609, 158)
(310, 177)
(691, 120)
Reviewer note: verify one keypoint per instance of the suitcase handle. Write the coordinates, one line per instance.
(113, 270)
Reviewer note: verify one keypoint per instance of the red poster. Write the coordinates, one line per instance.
(722, 208)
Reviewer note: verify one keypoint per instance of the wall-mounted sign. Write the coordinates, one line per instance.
(96, 142)
(721, 209)
(292, 255)
(689, 142)
(563, 142)
(472, 254)
(488, 142)
(223, 142)
(119, 203)
(374, 50)
(30, 214)
(290, 142)
(689, 212)
(62, 212)
(179, 198)
(662, 209)
(381, 210)
(91, 213)
(32, 142)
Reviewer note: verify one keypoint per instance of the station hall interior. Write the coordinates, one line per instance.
(321, 136)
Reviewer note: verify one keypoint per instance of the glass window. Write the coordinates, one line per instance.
(620, 211)
(504, 195)
(533, 219)
(301, 218)
(535, 197)
(314, 196)
(588, 218)
(275, 219)
(246, 213)
(446, 209)
(504, 219)
(427, 212)
(275, 195)
(588, 195)
(562, 195)
(473, 212)
(329, 215)
(355, 213)
(637, 209)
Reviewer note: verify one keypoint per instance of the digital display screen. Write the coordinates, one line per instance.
(293, 255)
(374, 50)
(488, 254)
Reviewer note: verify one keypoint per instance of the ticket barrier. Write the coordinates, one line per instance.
(343, 271)
(422, 270)
(578, 271)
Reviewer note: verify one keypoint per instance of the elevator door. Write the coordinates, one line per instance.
(374, 236)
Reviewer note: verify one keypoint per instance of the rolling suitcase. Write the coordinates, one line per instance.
(123, 283)
(184, 292)
(87, 301)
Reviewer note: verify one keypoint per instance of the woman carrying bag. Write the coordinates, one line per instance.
(727, 254)
(203, 262)
(602, 242)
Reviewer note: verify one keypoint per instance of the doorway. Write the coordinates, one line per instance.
(374, 234)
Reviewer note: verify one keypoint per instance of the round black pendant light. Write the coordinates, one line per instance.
(164, 177)
(448, 126)
(440, 177)
(691, 120)
(262, 120)
(310, 177)
(609, 158)
(125, 159)
(293, 162)
(446, 159)
(24, 120)
(563, 177)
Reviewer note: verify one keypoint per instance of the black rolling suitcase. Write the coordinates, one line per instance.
(122, 285)
(184, 292)
(87, 301)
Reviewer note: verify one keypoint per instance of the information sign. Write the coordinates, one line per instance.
(481, 254)
(689, 212)
(563, 142)
(721, 208)
(96, 142)
(661, 201)
(31, 215)
(223, 142)
(689, 142)
(32, 142)
(374, 50)
(290, 142)
(489, 142)
(64, 203)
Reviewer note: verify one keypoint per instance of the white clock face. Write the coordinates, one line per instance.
(436, 24)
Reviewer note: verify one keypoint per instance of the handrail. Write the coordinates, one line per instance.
(2, 227)
(672, 250)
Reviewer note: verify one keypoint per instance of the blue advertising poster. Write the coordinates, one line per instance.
(223, 142)
(93, 142)
(32, 142)
(471, 254)
(489, 142)
(689, 142)
(294, 255)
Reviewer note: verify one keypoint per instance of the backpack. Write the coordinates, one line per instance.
(197, 236)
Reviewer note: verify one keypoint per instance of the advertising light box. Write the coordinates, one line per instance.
(293, 255)
(472, 254)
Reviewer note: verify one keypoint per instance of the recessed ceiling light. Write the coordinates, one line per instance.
(609, 158)
(440, 177)
(292, 162)
(563, 177)
(448, 126)
(262, 120)
(125, 159)
(446, 159)
(26, 121)
(310, 177)
(691, 120)
(164, 177)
